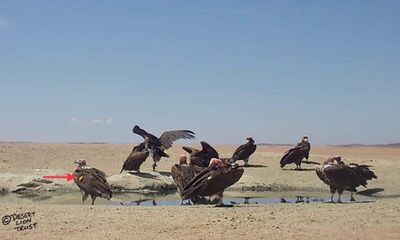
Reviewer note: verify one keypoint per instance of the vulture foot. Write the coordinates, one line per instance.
(352, 198)
(154, 166)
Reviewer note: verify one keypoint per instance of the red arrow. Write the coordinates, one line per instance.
(69, 177)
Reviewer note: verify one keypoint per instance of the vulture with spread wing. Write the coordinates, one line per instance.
(157, 146)
(212, 180)
(244, 151)
(297, 154)
(340, 176)
(91, 181)
(201, 157)
(138, 155)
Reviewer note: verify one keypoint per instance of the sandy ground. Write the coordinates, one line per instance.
(376, 220)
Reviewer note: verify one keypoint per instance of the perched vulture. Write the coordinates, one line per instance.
(138, 155)
(157, 146)
(201, 157)
(340, 176)
(297, 153)
(212, 180)
(91, 181)
(244, 151)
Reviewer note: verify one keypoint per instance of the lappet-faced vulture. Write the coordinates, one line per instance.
(138, 155)
(91, 181)
(212, 180)
(157, 146)
(297, 154)
(340, 176)
(244, 151)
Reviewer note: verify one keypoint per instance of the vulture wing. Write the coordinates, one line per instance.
(208, 150)
(153, 139)
(211, 181)
(190, 150)
(168, 137)
(203, 157)
(295, 154)
(182, 174)
(244, 151)
(135, 159)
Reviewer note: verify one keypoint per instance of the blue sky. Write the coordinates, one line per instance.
(274, 70)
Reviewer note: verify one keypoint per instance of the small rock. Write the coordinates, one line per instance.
(42, 180)
(3, 191)
(29, 185)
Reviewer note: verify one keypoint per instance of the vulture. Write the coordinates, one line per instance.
(138, 155)
(297, 153)
(340, 176)
(182, 173)
(201, 157)
(244, 151)
(212, 180)
(91, 181)
(157, 146)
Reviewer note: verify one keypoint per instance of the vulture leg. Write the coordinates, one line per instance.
(220, 196)
(84, 196)
(93, 198)
(156, 158)
(333, 190)
(351, 197)
(340, 191)
(246, 161)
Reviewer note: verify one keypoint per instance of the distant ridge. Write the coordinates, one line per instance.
(86, 143)
(274, 144)
(390, 145)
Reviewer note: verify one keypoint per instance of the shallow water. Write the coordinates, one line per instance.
(173, 199)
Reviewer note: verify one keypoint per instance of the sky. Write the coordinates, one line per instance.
(274, 70)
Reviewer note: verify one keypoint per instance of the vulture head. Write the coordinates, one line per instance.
(182, 160)
(305, 139)
(80, 162)
(338, 159)
(250, 139)
(215, 162)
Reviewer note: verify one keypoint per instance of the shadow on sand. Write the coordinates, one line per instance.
(371, 191)
(300, 170)
(167, 174)
(253, 166)
(311, 162)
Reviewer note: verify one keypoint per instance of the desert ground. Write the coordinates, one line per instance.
(26, 163)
